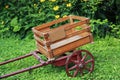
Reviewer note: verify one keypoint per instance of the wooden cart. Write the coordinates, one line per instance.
(64, 38)
(70, 33)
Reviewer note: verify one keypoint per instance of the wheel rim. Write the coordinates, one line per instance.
(80, 61)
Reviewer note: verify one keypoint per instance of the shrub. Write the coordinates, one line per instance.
(100, 28)
(115, 30)
(19, 16)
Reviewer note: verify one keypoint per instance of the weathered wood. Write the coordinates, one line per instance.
(64, 38)
(43, 50)
(79, 18)
(51, 23)
(65, 42)
(78, 32)
(57, 34)
(38, 40)
(75, 25)
(35, 31)
(71, 46)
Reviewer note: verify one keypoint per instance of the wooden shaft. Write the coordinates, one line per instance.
(38, 57)
(24, 70)
(15, 59)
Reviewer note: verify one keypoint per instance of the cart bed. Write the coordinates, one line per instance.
(53, 42)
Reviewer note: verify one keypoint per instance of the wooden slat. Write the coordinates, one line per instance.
(44, 30)
(51, 23)
(71, 20)
(71, 46)
(79, 18)
(79, 32)
(91, 38)
(57, 34)
(84, 26)
(38, 40)
(74, 33)
(75, 25)
(43, 50)
(37, 32)
(65, 42)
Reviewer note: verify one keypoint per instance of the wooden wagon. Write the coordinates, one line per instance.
(70, 33)
(64, 38)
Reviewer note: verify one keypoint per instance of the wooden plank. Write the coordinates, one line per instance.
(57, 34)
(91, 38)
(78, 32)
(51, 23)
(38, 40)
(37, 32)
(74, 33)
(84, 26)
(65, 42)
(71, 46)
(44, 30)
(71, 20)
(75, 25)
(43, 51)
(79, 18)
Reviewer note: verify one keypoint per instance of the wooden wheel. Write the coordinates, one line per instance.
(80, 61)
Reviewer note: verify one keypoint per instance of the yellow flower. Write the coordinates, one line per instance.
(55, 8)
(64, 16)
(68, 5)
(42, 0)
(57, 16)
(35, 5)
(7, 6)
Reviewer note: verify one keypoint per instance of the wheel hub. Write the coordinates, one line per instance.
(81, 65)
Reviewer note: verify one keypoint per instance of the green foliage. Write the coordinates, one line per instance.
(115, 30)
(100, 28)
(14, 23)
(87, 7)
(78, 28)
(105, 51)
(19, 16)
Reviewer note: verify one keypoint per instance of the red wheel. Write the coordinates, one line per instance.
(80, 61)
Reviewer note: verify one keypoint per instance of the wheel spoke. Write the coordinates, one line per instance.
(78, 57)
(88, 61)
(74, 61)
(81, 71)
(73, 67)
(75, 73)
(84, 57)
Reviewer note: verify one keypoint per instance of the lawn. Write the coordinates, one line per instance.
(106, 53)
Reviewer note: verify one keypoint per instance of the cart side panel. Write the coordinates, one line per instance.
(43, 51)
(72, 46)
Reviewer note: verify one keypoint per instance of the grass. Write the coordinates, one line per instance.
(105, 51)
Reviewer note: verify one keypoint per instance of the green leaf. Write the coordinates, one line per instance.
(14, 22)
(78, 28)
(16, 28)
